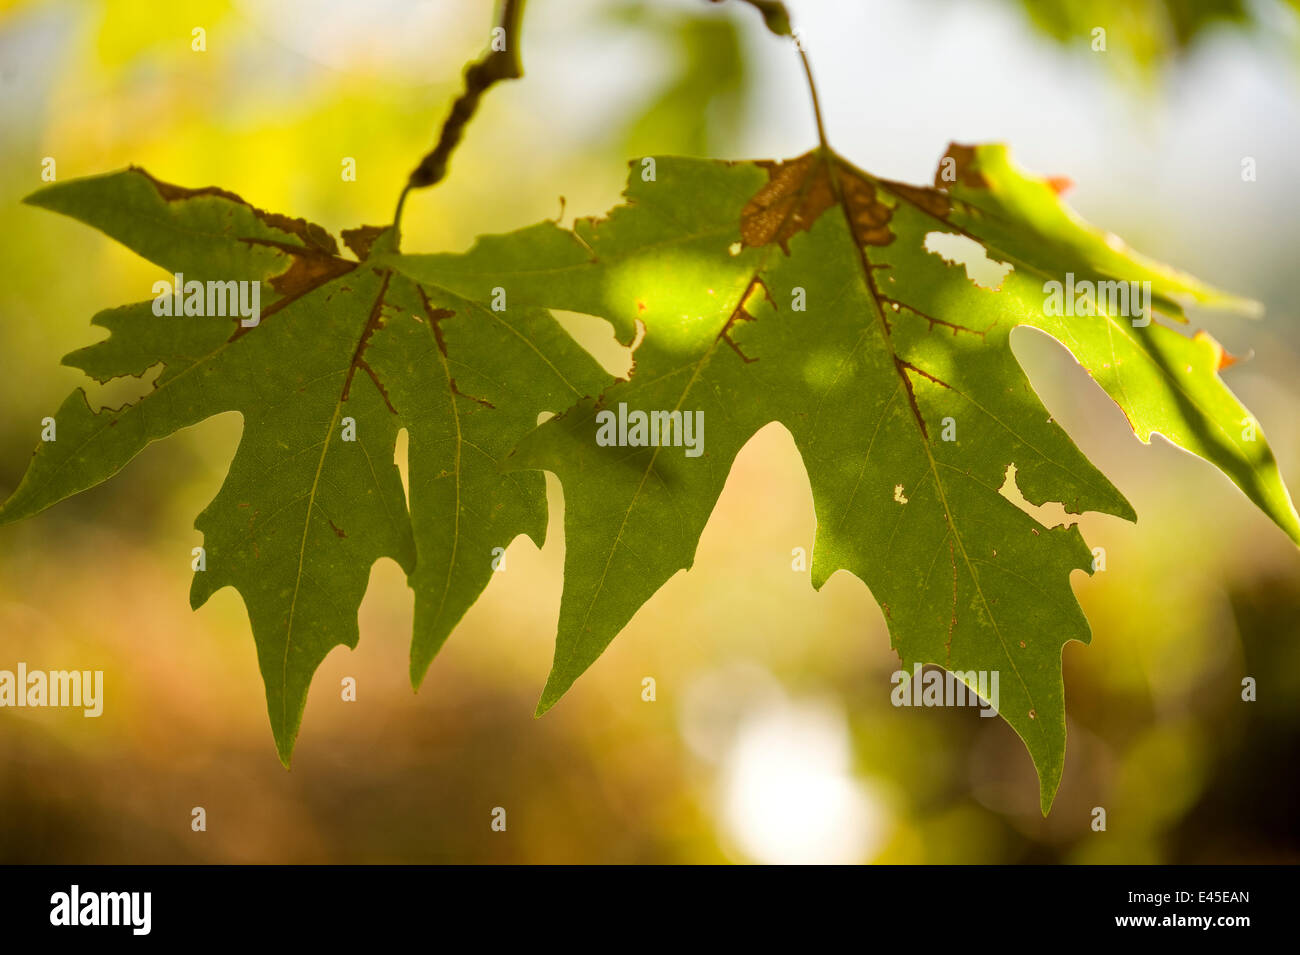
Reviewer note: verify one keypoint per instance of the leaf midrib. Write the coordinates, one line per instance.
(869, 282)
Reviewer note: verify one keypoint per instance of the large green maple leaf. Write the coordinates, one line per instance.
(312, 498)
(894, 346)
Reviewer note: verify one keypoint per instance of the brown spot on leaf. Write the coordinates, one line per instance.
(373, 321)
(963, 158)
(798, 191)
(455, 389)
(314, 262)
(436, 316)
(311, 234)
(360, 239)
(337, 530)
(742, 314)
(307, 273)
(869, 215)
(928, 200)
(383, 392)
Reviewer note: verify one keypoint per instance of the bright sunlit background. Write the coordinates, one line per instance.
(771, 738)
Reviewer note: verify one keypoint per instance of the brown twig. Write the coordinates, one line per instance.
(495, 65)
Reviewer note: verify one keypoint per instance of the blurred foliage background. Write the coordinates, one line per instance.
(771, 737)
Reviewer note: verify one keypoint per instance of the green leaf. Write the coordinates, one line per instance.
(896, 343)
(303, 512)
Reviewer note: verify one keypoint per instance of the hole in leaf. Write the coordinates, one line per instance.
(1049, 513)
(596, 335)
(962, 250)
(117, 393)
(401, 446)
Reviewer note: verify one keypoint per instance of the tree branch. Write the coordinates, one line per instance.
(501, 62)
